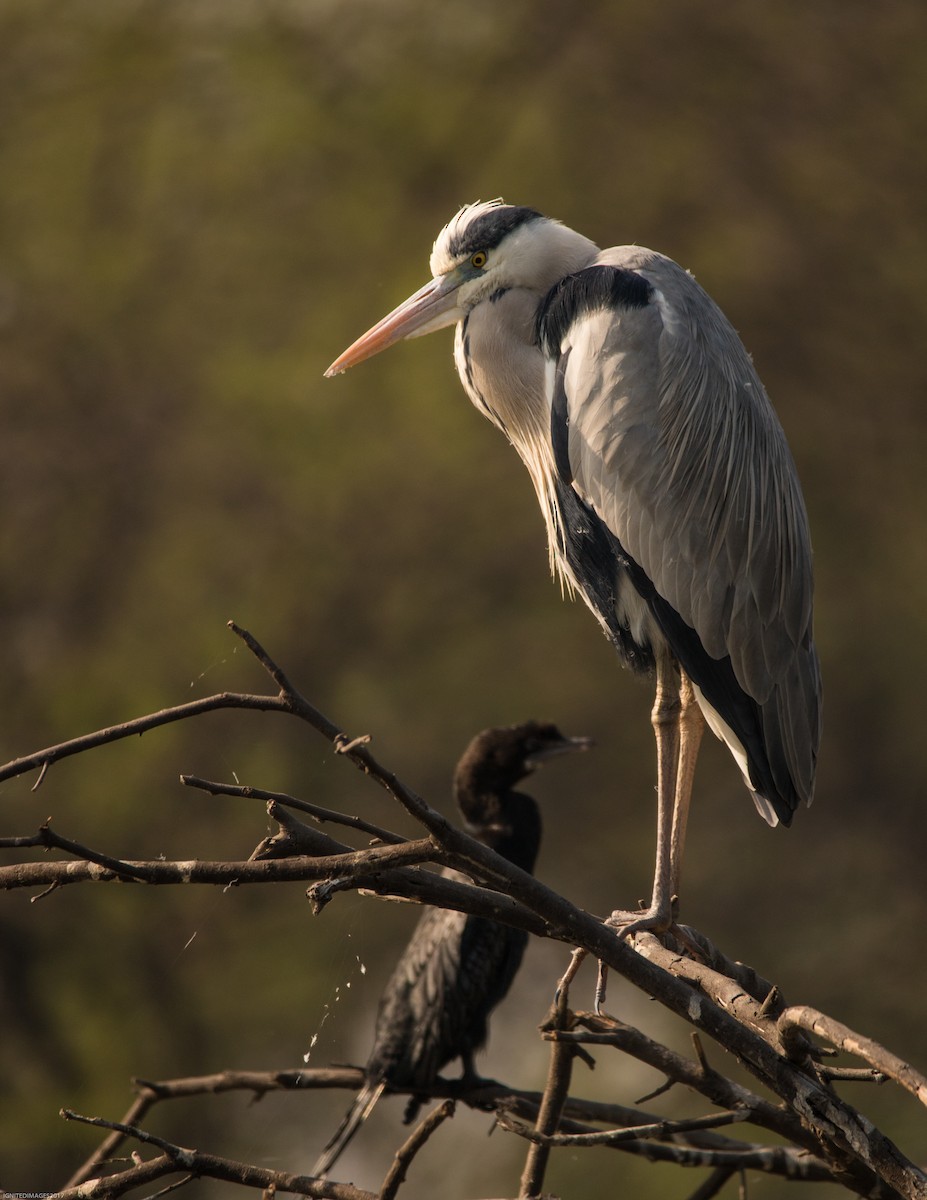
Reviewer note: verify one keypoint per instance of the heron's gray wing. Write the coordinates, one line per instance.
(673, 443)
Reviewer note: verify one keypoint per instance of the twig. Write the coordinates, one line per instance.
(24, 842)
(354, 749)
(734, 992)
(559, 1073)
(178, 1153)
(408, 1150)
(213, 1166)
(710, 1187)
(749, 979)
(852, 1074)
(175, 1187)
(379, 862)
(314, 810)
(613, 1137)
(103, 1187)
(110, 1144)
(881, 1060)
(466, 851)
(295, 837)
(151, 1092)
(52, 840)
(114, 733)
(726, 1094)
(703, 1148)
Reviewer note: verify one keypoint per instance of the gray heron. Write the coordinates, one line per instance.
(671, 500)
(456, 968)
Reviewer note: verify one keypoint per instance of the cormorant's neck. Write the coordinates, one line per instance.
(509, 823)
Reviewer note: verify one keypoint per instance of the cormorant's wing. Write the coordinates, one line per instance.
(453, 972)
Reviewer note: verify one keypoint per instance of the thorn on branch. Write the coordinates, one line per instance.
(52, 887)
(345, 746)
(700, 1053)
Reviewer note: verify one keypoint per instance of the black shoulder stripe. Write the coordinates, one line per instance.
(586, 291)
(560, 423)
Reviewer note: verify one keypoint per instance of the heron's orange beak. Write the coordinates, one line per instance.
(430, 308)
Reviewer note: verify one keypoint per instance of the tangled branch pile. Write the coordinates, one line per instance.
(787, 1049)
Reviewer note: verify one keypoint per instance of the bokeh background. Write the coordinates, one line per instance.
(201, 203)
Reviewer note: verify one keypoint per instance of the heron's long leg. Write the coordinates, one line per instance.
(666, 717)
(691, 728)
(677, 724)
(665, 721)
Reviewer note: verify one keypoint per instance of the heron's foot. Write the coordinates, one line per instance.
(655, 919)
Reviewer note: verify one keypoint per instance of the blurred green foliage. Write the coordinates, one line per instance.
(201, 203)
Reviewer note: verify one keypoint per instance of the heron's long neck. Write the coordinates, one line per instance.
(502, 370)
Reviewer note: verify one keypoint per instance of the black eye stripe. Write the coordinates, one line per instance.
(488, 230)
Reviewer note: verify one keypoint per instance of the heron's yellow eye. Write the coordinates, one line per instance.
(478, 260)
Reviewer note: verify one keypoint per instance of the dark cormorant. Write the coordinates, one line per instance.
(456, 968)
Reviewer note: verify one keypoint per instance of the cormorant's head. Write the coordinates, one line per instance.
(494, 762)
(497, 759)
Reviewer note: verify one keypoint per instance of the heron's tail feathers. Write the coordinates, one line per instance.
(356, 1115)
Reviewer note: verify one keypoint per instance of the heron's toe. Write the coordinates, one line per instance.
(650, 920)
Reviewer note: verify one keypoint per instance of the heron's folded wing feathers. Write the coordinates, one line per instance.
(674, 444)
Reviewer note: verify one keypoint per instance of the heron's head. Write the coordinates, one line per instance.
(484, 250)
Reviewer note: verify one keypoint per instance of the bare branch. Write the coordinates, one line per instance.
(559, 1074)
(114, 733)
(178, 1158)
(314, 810)
(713, 1184)
(395, 1176)
(258, 1082)
(844, 1038)
(295, 837)
(605, 1030)
(364, 865)
(613, 1137)
(684, 971)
